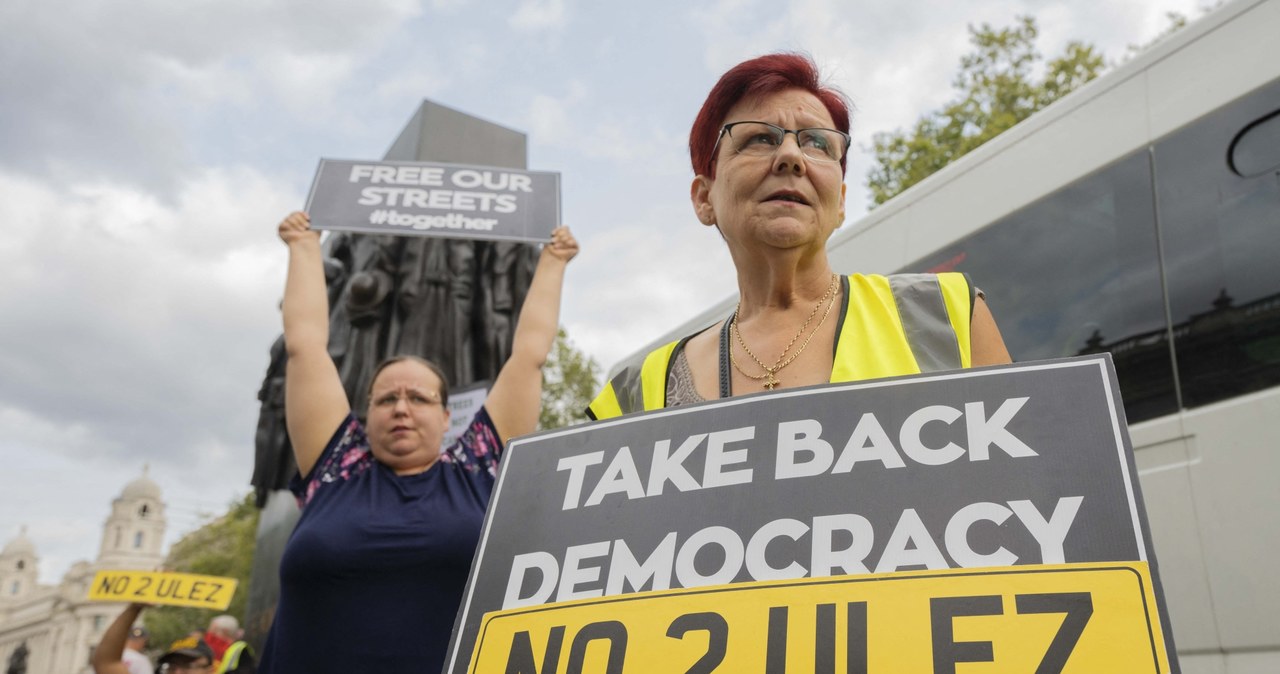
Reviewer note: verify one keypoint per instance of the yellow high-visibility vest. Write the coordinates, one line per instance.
(888, 326)
(231, 658)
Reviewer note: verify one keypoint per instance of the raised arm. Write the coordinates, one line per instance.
(516, 397)
(314, 401)
(108, 657)
(987, 345)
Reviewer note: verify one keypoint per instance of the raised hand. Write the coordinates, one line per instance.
(296, 227)
(562, 246)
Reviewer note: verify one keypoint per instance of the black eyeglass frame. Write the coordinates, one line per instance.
(728, 129)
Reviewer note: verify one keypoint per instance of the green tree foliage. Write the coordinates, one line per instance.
(569, 381)
(223, 547)
(1000, 83)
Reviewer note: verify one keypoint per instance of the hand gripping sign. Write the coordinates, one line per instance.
(908, 524)
(424, 199)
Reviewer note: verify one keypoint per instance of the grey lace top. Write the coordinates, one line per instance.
(680, 389)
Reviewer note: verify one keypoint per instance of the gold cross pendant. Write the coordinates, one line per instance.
(770, 382)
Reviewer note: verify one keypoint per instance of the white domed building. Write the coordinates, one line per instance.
(56, 625)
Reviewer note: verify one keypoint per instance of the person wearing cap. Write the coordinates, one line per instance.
(133, 659)
(189, 655)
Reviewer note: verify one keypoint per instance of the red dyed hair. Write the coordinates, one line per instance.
(754, 78)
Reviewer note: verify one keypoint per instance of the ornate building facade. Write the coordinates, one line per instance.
(52, 629)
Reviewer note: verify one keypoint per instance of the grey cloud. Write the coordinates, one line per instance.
(89, 89)
(148, 347)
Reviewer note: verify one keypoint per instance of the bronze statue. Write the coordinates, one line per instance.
(367, 300)
(273, 456)
(462, 285)
(423, 322)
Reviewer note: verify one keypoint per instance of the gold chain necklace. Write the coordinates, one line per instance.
(770, 373)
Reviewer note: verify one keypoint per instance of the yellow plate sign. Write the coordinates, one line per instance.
(1081, 618)
(162, 587)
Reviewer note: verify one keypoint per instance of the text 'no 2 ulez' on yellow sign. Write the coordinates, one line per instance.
(163, 587)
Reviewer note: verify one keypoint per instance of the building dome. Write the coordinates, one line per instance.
(142, 487)
(19, 546)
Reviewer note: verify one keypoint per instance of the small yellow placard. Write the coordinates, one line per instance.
(163, 587)
(1070, 618)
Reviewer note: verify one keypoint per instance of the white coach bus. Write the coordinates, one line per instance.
(1141, 216)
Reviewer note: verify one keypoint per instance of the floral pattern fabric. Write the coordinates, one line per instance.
(348, 454)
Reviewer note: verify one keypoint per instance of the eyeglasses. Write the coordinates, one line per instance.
(413, 398)
(762, 139)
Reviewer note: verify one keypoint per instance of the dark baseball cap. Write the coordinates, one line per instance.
(185, 650)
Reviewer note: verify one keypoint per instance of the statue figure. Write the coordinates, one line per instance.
(423, 323)
(501, 267)
(462, 283)
(273, 462)
(337, 271)
(367, 304)
(18, 660)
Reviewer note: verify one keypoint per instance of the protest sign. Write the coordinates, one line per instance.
(163, 587)
(449, 200)
(464, 402)
(973, 516)
(1023, 619)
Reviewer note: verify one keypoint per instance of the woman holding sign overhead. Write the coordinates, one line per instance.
(373, 574)
(769, 150)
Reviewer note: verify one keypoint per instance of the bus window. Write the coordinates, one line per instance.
(1221, 239)
(1077, 272)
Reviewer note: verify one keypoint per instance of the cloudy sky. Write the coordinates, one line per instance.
(148, 149)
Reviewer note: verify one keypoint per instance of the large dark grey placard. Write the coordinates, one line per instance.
(1070, 416)
(433, 199)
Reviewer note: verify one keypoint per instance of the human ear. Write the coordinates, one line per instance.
(700, 195)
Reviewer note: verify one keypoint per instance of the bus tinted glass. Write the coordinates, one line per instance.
(1221, 239)
(1077, 273)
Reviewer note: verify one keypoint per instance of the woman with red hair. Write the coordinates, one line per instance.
(769, 150)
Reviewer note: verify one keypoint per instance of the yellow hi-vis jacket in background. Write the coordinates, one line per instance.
(888, 326)
(231, 659)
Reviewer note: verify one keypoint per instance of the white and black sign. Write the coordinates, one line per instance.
(464, 402)
(426, 199)
(994, 467)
